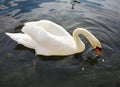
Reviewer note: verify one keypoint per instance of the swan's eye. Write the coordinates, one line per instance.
(98, 51)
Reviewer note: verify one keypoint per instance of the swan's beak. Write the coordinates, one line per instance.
(98, 51)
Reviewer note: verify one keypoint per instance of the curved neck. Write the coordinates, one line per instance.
(80, 46)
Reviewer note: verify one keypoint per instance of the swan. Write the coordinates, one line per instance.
(48, 38)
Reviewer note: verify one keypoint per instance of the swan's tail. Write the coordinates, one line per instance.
(19, 37)
(14, 36)
(23, 39)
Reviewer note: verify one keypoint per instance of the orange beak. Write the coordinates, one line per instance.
(98, 51)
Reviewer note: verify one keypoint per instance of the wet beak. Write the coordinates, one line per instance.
(98, 51)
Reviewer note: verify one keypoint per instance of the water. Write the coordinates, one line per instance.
(19, 67)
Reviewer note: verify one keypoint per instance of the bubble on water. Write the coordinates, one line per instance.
(83, 68)
(103, 60)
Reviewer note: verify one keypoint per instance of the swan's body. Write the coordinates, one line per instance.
(48, 38)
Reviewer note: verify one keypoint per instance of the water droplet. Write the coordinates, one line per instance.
(93, 74)
(103, 60)
(83, 68)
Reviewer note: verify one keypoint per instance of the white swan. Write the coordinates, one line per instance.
(48, 38)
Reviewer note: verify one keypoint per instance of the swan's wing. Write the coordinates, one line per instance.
(50, 27)
(46, 39)
(46, 29)
(36, 33)
(23, 39)
(40, 35)
(53, 27)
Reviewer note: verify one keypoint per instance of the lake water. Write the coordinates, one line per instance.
(20, 67)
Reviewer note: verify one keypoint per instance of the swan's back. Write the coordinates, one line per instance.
(45, 30)
(50, 27)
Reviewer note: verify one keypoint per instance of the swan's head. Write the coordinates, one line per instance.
(97, 46)
(98, 51)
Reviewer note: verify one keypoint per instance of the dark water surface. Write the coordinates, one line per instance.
(20, 67)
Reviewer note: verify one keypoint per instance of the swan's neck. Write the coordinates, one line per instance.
(80, 46)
